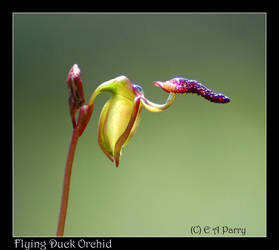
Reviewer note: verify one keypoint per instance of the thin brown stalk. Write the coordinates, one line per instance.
(66, 183)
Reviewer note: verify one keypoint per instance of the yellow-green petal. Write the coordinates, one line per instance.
(114, 120)
(129, 131)
(101, 138)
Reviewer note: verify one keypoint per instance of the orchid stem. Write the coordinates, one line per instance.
(66, 183)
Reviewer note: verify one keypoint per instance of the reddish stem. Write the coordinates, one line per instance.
(66, 183)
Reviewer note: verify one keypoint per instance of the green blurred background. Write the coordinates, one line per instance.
(197, 163)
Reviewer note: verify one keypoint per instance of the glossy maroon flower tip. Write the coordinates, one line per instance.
(183, 85)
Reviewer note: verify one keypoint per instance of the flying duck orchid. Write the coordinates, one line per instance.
(119, 118)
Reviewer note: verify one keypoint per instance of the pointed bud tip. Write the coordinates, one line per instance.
(75, 72)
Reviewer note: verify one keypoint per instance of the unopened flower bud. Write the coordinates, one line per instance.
(76, 98)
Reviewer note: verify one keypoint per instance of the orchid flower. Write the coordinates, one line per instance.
(120, 115)
(119, 118)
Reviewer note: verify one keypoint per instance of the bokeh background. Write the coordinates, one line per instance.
(197, 163)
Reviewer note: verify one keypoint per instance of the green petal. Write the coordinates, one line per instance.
(129, 131)
(101, 138)
(120, 85)
(117, 118)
